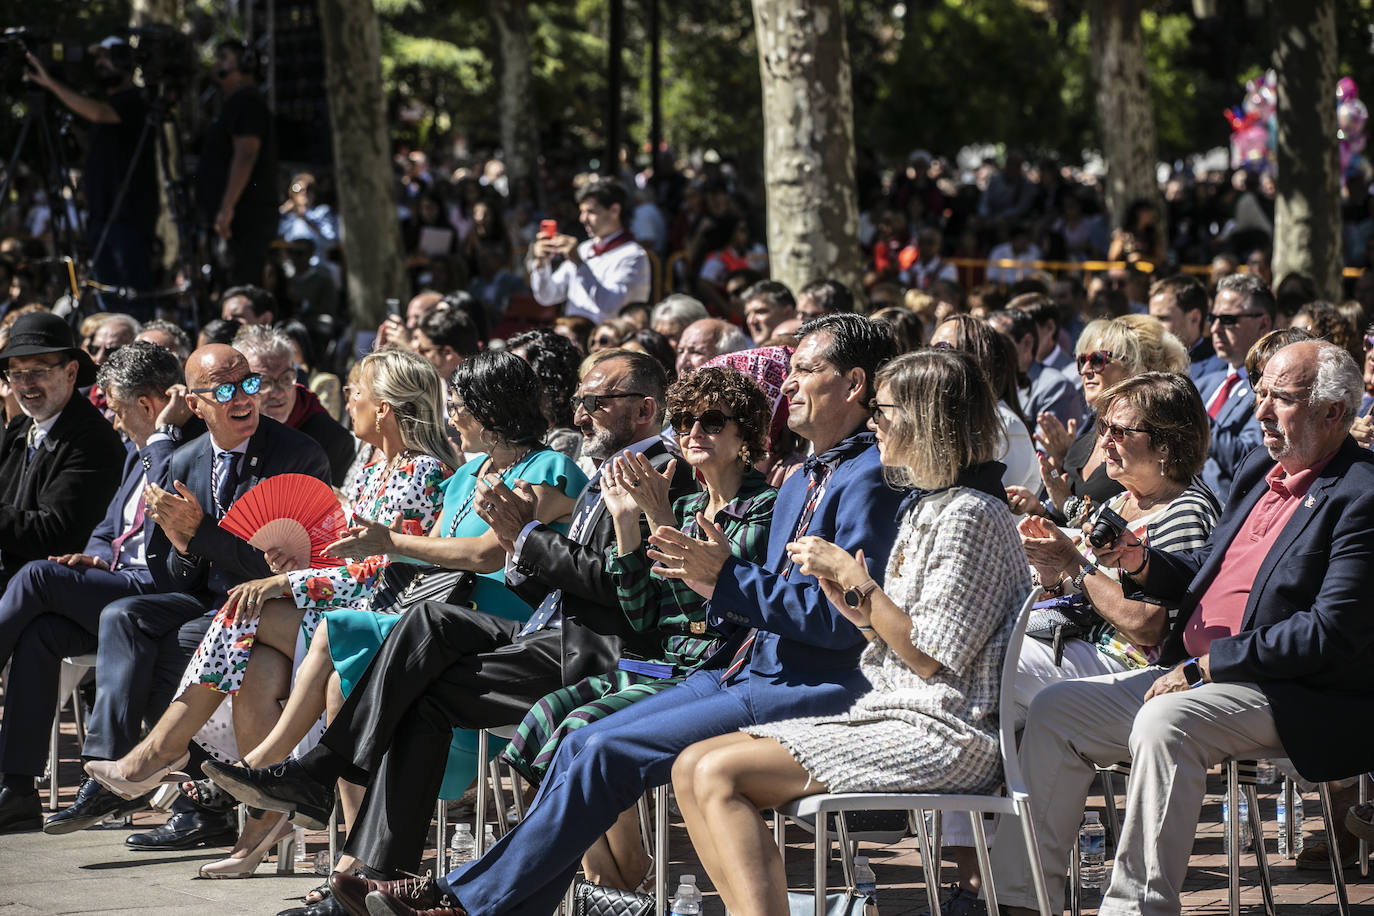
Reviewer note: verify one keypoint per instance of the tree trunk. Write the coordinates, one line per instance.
(808, 119)
(1125, 116)
(515, 94)
(1307, 215)
(369, 233)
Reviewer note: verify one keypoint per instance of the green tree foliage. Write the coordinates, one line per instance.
(974, 72)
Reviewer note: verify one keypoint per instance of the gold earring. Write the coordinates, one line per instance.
(1161, 468)
(379, 423)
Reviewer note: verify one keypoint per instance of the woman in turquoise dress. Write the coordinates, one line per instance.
(495, 408)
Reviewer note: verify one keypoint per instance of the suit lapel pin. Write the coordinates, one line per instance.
(253, 462)
(1311, 501)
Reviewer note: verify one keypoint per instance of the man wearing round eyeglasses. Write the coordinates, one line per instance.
(1242, 313)
(61, 463)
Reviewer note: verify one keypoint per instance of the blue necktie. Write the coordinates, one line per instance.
(223, 480)
(31, 440)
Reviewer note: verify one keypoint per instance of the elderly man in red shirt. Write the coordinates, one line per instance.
(1271, 646)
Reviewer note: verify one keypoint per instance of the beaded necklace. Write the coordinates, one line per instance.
(466, 508)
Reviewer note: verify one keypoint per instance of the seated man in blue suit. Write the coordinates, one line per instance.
(1041, 388)
(146, 641)
(1272, 644)
(1242, 313)
(792, 655)
(1180, 304)
(51, 608)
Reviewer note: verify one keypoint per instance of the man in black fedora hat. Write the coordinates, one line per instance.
(61, 462)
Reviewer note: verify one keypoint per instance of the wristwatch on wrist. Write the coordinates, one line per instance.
(1192, 672)
(856, 596)
(171, 431)
(1088, 570)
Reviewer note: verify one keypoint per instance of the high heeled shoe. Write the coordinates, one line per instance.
(108, 774)
(244, 866)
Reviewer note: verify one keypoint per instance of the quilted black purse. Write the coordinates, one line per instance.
(1056, 620)
(594, 900)
(405, 585)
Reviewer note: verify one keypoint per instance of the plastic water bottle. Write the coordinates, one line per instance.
(687, 900)
(1245, 839)
(1092, 853)
(302, 857)
(866, 884)
(463, 847)
(488, 836)
(1266, 772)
(1284, 851)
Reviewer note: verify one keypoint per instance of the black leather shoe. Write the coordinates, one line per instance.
(19, 812)
(326, 907)
(187, 830)
(283, 787)
(93, 804)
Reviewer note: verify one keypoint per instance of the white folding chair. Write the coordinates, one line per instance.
(1014, 803)
(73, 671)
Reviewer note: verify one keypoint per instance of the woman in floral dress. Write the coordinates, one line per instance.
(397, 407)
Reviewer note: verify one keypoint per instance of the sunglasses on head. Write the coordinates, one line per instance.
(1368, 341)
(1095, 360)
(591, 403)
(1230, 321)
(224, 392)
(712, 422)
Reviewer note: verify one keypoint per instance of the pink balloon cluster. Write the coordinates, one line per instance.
(1253, 130)
(1351, 118)
(1252, 124)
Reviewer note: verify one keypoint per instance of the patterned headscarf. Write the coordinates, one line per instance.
(768, 366)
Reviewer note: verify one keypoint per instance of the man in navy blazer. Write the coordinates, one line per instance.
(792, 654)
(1180, 304)
(1242, 313)
(51, 608)
(1273, 642)
(147, 640)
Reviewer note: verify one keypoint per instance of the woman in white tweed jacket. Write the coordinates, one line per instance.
(937, 633)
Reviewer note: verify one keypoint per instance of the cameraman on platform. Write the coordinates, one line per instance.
(125, 260)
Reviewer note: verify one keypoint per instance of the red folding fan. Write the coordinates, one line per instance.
(294, 512)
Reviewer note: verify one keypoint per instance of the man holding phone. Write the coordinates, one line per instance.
(594, 278)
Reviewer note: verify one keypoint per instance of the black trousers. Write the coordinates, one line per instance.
(441, 668)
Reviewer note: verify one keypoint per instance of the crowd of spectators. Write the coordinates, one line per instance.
(679, 522)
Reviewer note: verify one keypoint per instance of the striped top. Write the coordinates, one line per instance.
(653, 603)
(1184, 523)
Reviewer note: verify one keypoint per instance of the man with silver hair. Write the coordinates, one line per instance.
(671, 316)
(1270, 650)
(706, 339)
(281, 397)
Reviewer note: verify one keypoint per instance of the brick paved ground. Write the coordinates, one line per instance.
(93, 872)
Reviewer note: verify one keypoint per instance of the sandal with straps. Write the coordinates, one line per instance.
(319, 894)
(206, 794)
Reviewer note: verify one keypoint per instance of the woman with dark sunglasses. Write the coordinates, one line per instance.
(1072, 464)
(721, 418)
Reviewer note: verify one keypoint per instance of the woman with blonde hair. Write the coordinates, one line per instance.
(937, 631)
(1109, 350)
(396, 407)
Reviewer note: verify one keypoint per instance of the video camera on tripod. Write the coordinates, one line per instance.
(166, 57)
(18, 42)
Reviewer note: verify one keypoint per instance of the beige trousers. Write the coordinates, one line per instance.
(1170, 741)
